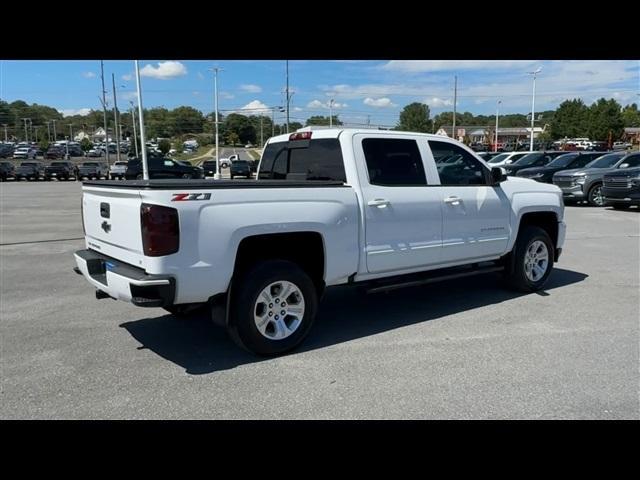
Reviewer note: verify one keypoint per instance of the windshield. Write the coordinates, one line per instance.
(55, 164)
(121, 164)
(605, 161)
(499, 158)
(28, 164)
(241, 163)
(528, 159)
(89, 164)
(563, 160)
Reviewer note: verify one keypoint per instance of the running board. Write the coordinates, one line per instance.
(437, 278)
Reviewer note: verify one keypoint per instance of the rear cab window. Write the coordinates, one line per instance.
(315, 159)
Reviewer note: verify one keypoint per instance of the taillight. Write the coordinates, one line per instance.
(300, 136)
(160, 230)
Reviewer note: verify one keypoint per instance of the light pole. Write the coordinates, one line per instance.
(533, 104)
(331, 113)
(55, 135)
(288, 98)
(495, 146)
(145, 169)
(26, 132)
(115, 117)
(5, 132)
(216, 176)
(48, 130)
(104, 111)
(70, 132)
(135, 138)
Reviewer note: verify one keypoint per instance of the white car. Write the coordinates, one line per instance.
(117, 170)
(506, 158)
(379, 209)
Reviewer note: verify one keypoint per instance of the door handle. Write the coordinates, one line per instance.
(452, 200)
(378, 202)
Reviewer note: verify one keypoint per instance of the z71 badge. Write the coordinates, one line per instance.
(185, 197)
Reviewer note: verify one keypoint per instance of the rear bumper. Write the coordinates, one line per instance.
(122, 281)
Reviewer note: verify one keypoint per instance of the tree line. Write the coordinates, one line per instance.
(571, 119)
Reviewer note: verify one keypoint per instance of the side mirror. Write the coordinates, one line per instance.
(624, 165)
(497, 175)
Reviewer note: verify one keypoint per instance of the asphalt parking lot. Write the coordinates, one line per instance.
(464, 349)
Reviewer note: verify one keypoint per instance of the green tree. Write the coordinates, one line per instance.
(185, 120)
(86, 144)
(319, 120)
(631, 116)
(232, 138)
(415, 118)
(604, 117)
(570, 120)
(243, 128)
(164, 146)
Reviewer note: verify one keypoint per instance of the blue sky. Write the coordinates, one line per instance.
(362, 90)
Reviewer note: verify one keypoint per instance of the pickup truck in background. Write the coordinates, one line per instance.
(93, 170)
(330, 207)
(30, 171)
(117, 170)
(61, 170)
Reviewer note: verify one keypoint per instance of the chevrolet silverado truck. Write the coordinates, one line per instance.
(622, 189)
(62, 170)
(331, 207)
(93, 170)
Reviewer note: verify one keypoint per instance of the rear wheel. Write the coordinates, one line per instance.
(534, 253)
(273, 308)
(595, 196)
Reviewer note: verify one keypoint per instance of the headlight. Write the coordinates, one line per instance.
(580, 180)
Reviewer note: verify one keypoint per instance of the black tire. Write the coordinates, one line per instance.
(242, 327)
(620, 206)
(517, 279)
(187, 176)
(595, 196)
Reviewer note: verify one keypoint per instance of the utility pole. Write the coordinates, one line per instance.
(287, 96)
(115, 118)
(495, 146)
(36, 132)
(145, 168)
(5, 132)
(533, 105)
(273, 122)
(331, 113)
(70, 132)
(49, 130)
(215, 70)
(31, 129)
(261, 133)
(135, 138)
(55, 136)
(455, 100)
(26, 132)
(104, 110)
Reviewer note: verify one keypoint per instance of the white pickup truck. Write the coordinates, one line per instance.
(380, 209)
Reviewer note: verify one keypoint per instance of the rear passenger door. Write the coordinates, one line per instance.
(476, 214)
(402, 213)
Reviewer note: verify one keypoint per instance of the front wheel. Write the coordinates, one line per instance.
(273, 308)
(595, 196)
(534, 254)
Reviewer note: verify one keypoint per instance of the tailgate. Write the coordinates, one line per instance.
(112, 223)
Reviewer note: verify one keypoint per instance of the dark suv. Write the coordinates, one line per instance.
(63, 170)
(55, 152)
(533, 159)
(162, 168)
(240, 168)
(622, 189)
(562, 162)
(7, 171)
(30, 171)
(209, 168)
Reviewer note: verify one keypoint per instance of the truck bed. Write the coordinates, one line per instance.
(161, 184)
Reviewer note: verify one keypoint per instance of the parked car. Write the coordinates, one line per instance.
(93, 170)
(506, 158)
(621, 145)
(117, 170)
(30, 171)
(562, 162)
(6, 151)
(62, 170)
(622, 189)
(532, 159)
(240, 168)
(96, 152)
(586, 183)
(225, 162)
(76, 151)
(486, 156)
(24, 153)
(317, 220)
(597, 146)
(209, 167)
(7, 171)
(160, 167)
(55, 152)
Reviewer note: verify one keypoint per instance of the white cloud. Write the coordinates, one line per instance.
(297, 109)
(418, 66)
(164, 71)
(383, 102)
(255, 107)
(436, 102)
(250, 88)
(130, 95)
(75, 111)
(88, 75)
(319, 104)
(226, 95)
(127, 77)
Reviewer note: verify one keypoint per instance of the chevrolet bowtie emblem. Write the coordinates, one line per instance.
(106, 227)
